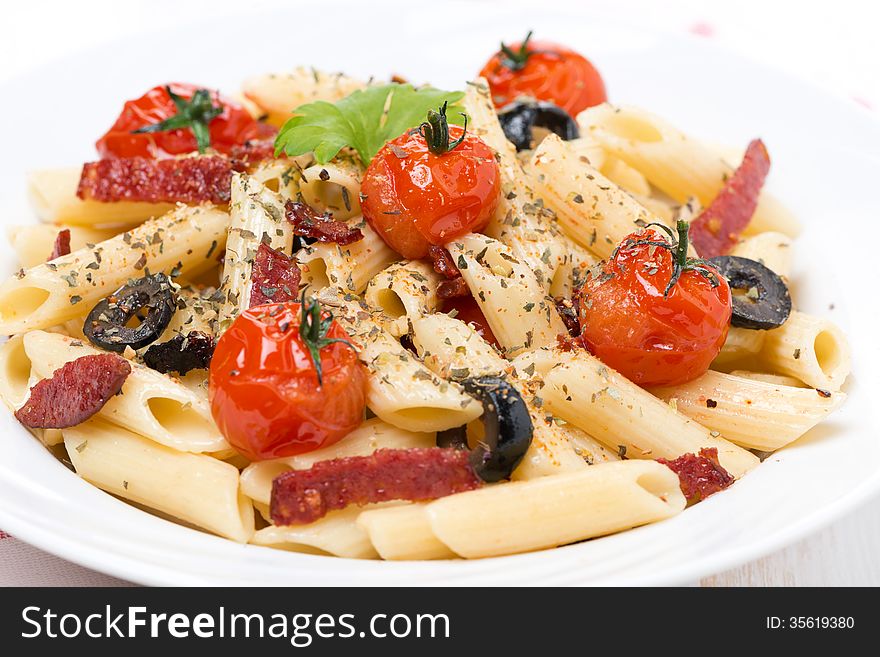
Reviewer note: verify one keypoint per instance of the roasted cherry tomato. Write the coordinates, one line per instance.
(545, 71)
(423, 189)
(468, 311)
(653, 314)
(285, 380)
(227, 124)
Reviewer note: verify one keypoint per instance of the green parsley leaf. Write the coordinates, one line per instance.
(360, 120)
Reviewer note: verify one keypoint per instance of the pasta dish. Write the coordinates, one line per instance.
(370, 319)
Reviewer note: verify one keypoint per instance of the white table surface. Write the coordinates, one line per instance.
(831, 44)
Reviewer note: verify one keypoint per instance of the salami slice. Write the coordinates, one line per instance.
(74, 392)
(717, 229)
(275, 277)
(699, 476)
(311, 225)
(62, 244)
(417, 474)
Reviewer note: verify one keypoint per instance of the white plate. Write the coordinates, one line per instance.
(825, 167)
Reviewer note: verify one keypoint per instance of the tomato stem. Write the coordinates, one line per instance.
(682, 263)
(436, 132)
(516, 60)
(313, 331)
(678, 248)
(195, 114)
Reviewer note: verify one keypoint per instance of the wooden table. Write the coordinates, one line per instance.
(846, 553)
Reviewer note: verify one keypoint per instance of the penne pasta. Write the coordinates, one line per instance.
(404, 292)
(770, 249)
(592, 210)
(193, 488)
(338, 533)
(581, 390)
(752, 413)
(151, 404)
(403, 532)
(740, 345)
(521, 315)
(349, 267)
(186, 239)
(551, 511)
(256, 217)
(453, 350)
(401, 390)
(52, 194)
(673, 162)
(521, 222)
(333, 187)
(33, 244)
(809, 348)
(277, 95)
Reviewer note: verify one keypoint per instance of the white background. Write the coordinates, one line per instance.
(832, 44)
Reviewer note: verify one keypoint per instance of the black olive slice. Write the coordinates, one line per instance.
(508, 429)
(151, 298)
(765, 303)
(181, 353)
(518, 118)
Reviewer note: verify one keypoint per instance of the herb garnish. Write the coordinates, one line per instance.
(195, 114)
(679, 250)
(364, 120)
(313, 331)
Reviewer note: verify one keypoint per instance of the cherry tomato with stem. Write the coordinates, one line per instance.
(285, 379)
(175, 119)
(544, 71)
(429, 186)
(652, 313)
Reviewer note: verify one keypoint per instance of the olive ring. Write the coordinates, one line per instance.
(766, 304)
(105, 325)
(519, 117)
(508, 429)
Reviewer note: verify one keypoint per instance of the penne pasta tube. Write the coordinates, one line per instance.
(776, 379)
(333, 187)
(150, 404)
(401, 390)
(15, 373)
(592, 210)
(673, 162)
(193, 488)
(740, 344)
(256, 216)
(349, 268)
(809, 348)
(580, 389)
(626, 177)
(277, 95)
(404, 291)
(52, 194)
(338, 533)
(256, 478)
(521, 222)
(751, 413)
(771, 249)
(518, 311)
(17, 377)
(188, 238)
(403, 532)
(33, 243)
(551, 511)
(454, 350)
